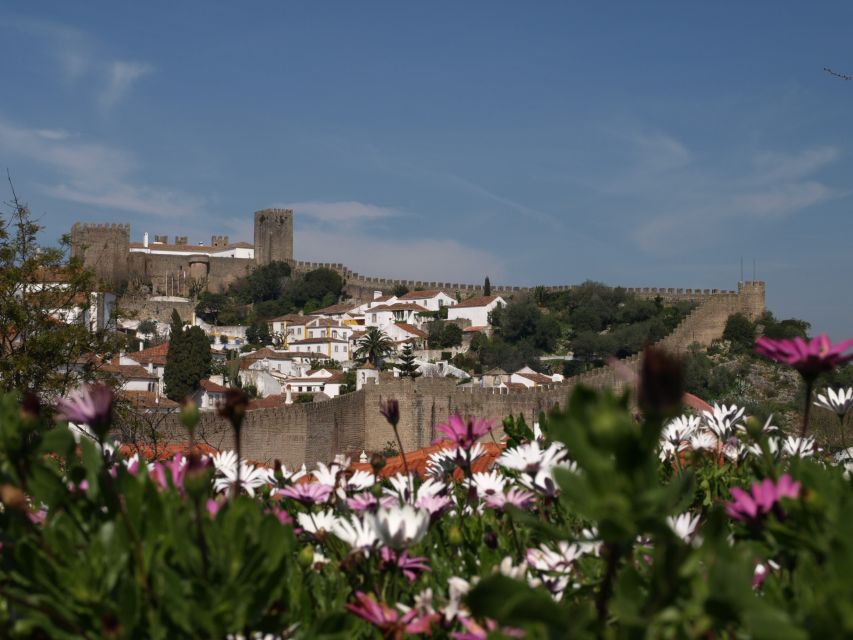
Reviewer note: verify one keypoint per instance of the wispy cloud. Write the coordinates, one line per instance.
(92, 173)
(346, 212)
(78, 58)
(681, 195)
(120, 78)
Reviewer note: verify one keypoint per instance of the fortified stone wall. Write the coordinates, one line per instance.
(145, 309)
(273, 236)
(318, 431)
(172, 275)
(104, 249)
(361, 287)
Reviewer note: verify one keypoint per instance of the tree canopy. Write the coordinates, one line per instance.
(188, 360)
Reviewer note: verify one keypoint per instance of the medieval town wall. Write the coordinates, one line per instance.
(316, 432)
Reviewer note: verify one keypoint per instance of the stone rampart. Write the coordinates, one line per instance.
(351, 423)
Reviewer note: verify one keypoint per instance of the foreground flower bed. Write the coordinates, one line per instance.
(591, 525)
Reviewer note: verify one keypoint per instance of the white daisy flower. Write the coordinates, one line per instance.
(319, 521)
(839, 402)
(400, 527)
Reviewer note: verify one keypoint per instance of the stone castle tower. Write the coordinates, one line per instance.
(104, 249)
(273, 236)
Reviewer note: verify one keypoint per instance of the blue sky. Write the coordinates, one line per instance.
(639, 144)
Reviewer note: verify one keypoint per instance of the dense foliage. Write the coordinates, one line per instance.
(42, 353)
(589, 525)
(188, 360)
(270, 291)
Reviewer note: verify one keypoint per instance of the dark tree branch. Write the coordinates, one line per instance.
(842, 76)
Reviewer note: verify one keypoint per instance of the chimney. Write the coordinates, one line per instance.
(145, 239)
(288, 399)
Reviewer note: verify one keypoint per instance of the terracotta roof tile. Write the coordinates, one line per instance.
(481, 301)
(409, 328)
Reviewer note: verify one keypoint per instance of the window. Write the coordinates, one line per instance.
(373, 316)
(336, 348)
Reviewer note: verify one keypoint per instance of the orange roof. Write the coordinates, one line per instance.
(270, 402)
(417, 460)
(126, 371)
(408, 328)
(165, 451)
(155, 355)
(535, 377)
(141, 400)
(474, 329)
(481, 301)
(334, 309)
(211, 387)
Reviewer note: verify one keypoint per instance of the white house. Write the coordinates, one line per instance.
(402, 332)
(530, 378)
(476, 310)
(323, 348)
(328, 328)
(288, 327)
(432, 299)
(209, 395)
(387, 314)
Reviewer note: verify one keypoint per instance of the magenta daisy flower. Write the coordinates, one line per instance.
(307, 492)
(91, 405)
(761, 499)
(464, 433)
(810, 358)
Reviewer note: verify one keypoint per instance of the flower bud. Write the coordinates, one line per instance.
(306, 556)
(454, 536)
(661, 383)
(189, 415)
(234, 407)
(12, 497)
(377, 463)
(490, 538)
(391, 410)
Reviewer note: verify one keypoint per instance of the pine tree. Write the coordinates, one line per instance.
(187, 361)
(408, 368)
(487, 287)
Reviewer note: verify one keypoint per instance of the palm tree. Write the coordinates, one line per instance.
(373, 346)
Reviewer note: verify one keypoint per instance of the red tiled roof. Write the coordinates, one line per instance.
(154, 355)
(408, 328)
(474, 329)
(535, 377)
(417, 460)
(141, 400)
(270, 402)
(127, 371)
(165, 451)
(341, 307)
(211, 387)
(481, 301)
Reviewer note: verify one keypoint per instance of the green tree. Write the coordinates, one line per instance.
(487, 287)
(400, 290)
(407, 366)
(374, 346)
(451, 335)
(146, 326)
(740, 331)
(43, 291)
(188, 360)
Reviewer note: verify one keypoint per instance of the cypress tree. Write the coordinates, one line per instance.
(487, 287)
(408, 368)
(187, 361)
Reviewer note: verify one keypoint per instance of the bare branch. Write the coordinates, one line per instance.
(842, 76)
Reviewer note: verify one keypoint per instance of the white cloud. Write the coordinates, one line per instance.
(702, 204)
(78, 58)
(340, 212)
(92, 173)
(774, 166)
(120, 78)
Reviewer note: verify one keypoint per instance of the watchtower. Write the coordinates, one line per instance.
(751, 294)
(273, 236)
(104, 249)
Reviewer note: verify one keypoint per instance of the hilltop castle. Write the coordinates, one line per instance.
(179, 267)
